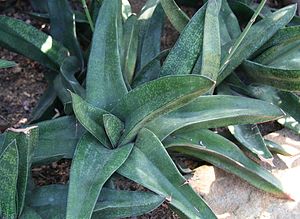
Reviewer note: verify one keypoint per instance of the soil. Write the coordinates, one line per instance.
(22, 86)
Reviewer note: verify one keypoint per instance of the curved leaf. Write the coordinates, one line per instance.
(9, 162)
(91, 118)
(65, 130)
(150, 165)
(284, 79)
(217, 150)
(26, 140)
(258, 34)
(185, 52)
(215, 111)
(250, 137)
(63, 27)
(110, 204)
(274, 147)
(114, 128)
(177, 17)
(290, 123)
(23, 38)
(155, 98)
(104, 67)
(92, 165)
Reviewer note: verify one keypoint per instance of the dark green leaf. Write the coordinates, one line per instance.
(184, 54)
(104, 68)
(217, 150)
(66, 132)
(29, 213)
(9, 162)
(150, 165)
(155, 98)
(177, 17)
(250, 137)
(114, 128)
(258, 34)
(92, 165)
(274, 147)
(63, 27)
(26, 140)
(215, 111)
(91, 118)
(23, 38)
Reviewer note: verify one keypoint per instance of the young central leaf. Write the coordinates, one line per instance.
(156, 98)
(105, 84)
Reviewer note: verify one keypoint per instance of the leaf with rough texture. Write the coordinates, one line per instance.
(276, 76)
(114, 128)
(287, 101)
(63, 27)
(250, 137)
(91, 118)
(150, 21)
(176, 16)
(29, 213)
(150, 165)
(6, 64)
(155, 98)
(66, 132)
(258, 34)
(9, 162)
(119, 204)
(26, 140)
(25, 39)
(185, 52)
(215, 111)
(211, 51)
(92, 165)
(104, 68)
(110, 204)
(217, 150)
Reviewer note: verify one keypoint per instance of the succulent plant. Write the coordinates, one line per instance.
(126, 114)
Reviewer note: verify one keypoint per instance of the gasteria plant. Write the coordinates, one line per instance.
(130, 116)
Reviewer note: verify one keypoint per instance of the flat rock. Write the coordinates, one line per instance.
(233, 198)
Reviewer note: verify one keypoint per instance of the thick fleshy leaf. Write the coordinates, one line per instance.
(6, 64)
(50, 201)
(9, 162)
(149, 71)
(131, 48)
(63, 94)
(177, 17)
(150, 21)
(26, 140)
(211, 51)
(215, 111)
(68, 69)
(276, 76)
(276, 148)
(23, 38)
(114, 128)
(91, 118)
(79, 16)
(148, 162)
(229, 25)
(250, 137)
(258, 34)
(156, 98)
(289, 102)
(217, 150)
(104, 67)
(120, 204)
(92, 165)
(65, 130)
(63, 27)
(185, 52)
